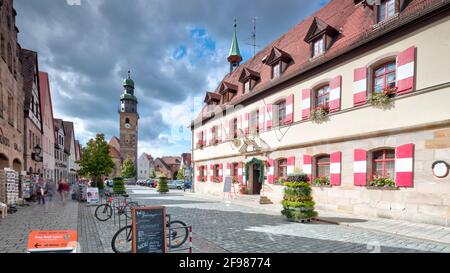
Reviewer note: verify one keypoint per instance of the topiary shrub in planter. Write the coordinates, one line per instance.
(163, 187)
(118, 185)
(298, 204)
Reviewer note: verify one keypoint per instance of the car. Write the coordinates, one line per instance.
(176, 184)
(153, 183)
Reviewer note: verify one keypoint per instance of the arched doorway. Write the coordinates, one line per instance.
(17, 165)
(254, 171)
(4, 162)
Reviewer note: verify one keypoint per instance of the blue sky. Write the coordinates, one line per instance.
(176, 50)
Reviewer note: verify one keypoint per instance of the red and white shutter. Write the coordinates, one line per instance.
(205, 177)
(404, 166)
(211, 136)
(269, 115)
(211, 173)
(228, 170)
(246, 123)
(360, 168)
(205, 137)
(220, 172)
(271, 172)
(335, 94)
(360, 86)
(241, 172)
(290, 109)
(262, 112)
(290, 165)
(335, 168)
(307, 166)
(239, 126)
(219, 132)
(198, 174)
(406, 64)
(306, 103)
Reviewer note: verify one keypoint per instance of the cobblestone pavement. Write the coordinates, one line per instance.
(225, 227)
(88, 236)
(15, 228)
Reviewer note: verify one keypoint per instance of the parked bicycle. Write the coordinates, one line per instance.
(177, 235)
(104, 212)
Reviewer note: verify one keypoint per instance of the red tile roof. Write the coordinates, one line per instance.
(354, 22)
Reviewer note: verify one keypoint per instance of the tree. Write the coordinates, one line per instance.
(163, 187)
(153, 175)
(180, 174)
(128, 170)
(95, 161)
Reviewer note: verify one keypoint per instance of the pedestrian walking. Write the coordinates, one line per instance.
(66, 189)
(41, 190)
(61, 190)
(51, 190)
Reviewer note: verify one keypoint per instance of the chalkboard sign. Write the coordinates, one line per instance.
(228, 183)
(149, 230)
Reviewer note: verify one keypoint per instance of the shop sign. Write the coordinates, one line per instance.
(53, 241)
(440, 169)
(92, 196)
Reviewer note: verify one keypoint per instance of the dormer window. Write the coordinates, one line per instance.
(279, 61)
(386, 9)
(249, 79)
(276, 71)
(212, 98)
(227, 91)
(320, 36)
(318, 47)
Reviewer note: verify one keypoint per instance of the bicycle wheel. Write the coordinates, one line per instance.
(129, 207)
(103, 212)
(178, 233)
(121, 242)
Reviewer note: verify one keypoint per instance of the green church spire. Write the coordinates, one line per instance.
(234, 57)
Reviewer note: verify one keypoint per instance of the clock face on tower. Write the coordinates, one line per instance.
(127, 125)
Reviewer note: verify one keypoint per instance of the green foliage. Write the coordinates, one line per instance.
(128, 169)
(163, 187)
(298, 177)
(153, 175)
(382, 182)
(322, 181)
(320, 114)
(379, 100)
(258, 162)
(180, 174)
(95, 161)
(298, 203)
(118, 185)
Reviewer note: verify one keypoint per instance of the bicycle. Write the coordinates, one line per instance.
(104, 212)
(176, 237)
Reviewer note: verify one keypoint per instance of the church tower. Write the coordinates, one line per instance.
(129, 118)
(234, 58)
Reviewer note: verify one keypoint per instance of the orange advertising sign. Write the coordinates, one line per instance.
(52, 240)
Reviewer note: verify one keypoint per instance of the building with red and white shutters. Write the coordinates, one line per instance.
(306, 103)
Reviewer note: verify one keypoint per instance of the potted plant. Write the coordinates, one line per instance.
(279, 181)
(321, 181)
(298, 204)
(320, 114)
(235, 180)
(383, 98)
(242, 188)
(382, 182)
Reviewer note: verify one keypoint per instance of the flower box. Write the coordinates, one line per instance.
(383, 188)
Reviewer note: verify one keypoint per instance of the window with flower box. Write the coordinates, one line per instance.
(323, 166)
(216, 173)
(282, 168)
(322, 96)
(383, 164)
(384, 76)
(235, 169)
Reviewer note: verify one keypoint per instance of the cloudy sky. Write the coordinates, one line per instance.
(176, 50)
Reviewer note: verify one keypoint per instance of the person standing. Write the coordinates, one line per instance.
(61, 190)
(66, 189)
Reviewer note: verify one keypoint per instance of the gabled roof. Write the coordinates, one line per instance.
(355, 23)
(212, 97)
(115, 142)
(319, 27)
(247, 73)
(228, 87)
(275, 55)
(113, 152)
(59, 125)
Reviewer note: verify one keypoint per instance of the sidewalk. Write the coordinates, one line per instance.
(428, 232)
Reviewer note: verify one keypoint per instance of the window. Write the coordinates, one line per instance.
(322, 96)
(202, 172)
(10, 111)
(254, 122)
(318, 47)
(235, 169)
(276, 71)
(247, 87)
(384, 163)
(386, 9)
(384, 76)
(3, 48)
(282, 168)
(235, 128)
(323, 166)
(216, 172)
(9, 58)
(281, 113)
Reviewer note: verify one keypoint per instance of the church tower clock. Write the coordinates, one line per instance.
(129, 118)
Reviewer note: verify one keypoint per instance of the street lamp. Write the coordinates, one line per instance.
(36, 155)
